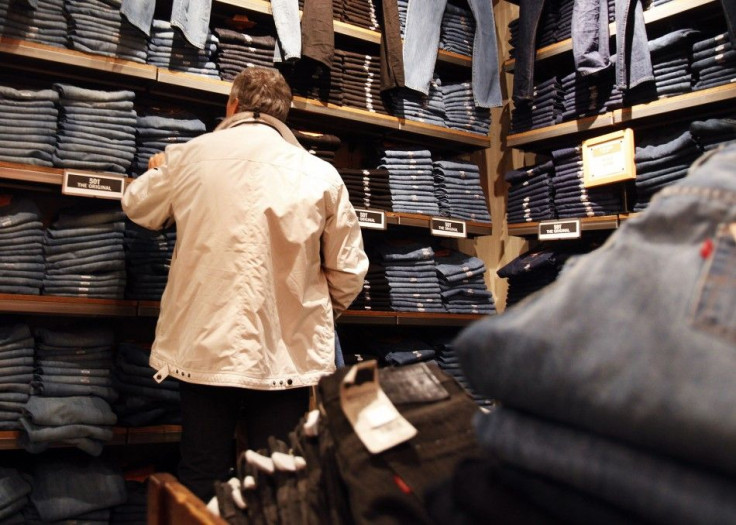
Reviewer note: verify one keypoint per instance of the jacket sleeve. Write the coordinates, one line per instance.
(148, 199)
(344, 260)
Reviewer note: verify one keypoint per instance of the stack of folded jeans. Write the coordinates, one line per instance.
(410, 180)
(15, 495)
(458, 190)
(22, 263)
(412, 105)
(29, 120)
(567, 390)
(75, 487)
(374, 294)
(84, 251)
(40, 21)
(457, 30)
(148, 259)
(449, 363)
(72, 365)
(397, 349)
(142, 400)
(589, 95)
(462, 284)
(544, 110)
(312, 79)
(530, 196)
(135, 508)
(712, 132)
(16, 372)
(157, 130)
(362, 81)
(168, 49)
(96, 129)
(671, 62)
(97, 27)
(662, 159)
(530, 272)
(460, 110)
(322, 145)
(411, 274)
(362, 13)
(571, 197)
(368, 188)
(82, 421)
(714, 61)
(237, 50)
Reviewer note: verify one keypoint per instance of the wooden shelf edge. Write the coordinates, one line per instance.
(49, 304)
(121, 436)
(384, 317)
(604, 222)
(655, 14)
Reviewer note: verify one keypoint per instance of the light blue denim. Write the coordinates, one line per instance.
(421, 41)
(192, 17)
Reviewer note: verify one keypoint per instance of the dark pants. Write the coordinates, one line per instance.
(210, 417)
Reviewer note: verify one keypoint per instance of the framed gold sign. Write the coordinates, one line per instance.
(609, 158)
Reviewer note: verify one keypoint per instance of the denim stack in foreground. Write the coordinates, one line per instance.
(714, 61)
(28, 125)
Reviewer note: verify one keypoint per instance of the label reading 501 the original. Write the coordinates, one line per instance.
(106, 186)
(448, 227)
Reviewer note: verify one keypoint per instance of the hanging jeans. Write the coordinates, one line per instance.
(191, 16)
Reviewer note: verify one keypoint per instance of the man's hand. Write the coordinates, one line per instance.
(157, 160)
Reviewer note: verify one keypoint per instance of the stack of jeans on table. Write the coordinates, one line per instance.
(362, 13)
(97, 27)
(361, 82)
(368, 188)
(589, 95)
(84, 251)
(237, 50)
(15, 495)
(458, 190)
(96, 129)
(143, 401)
(22, 263)
(168, 49)
(460, 110)
(28, 124)
(412, 105)
(545, 110)
(72, 487)
(530, 196)
(671, 62)
(714, 61)
(463, 288)
(157, 130)
(322, 145)
(16, 372)
(630, 418)
(72, 390)
(530, 272)
(661, 159)
(449, 363)
(411, 274)
(374, 294)
(713, 132)
(457, 30)
(148, 259)
(410, 180)
(571, 197)
(45, 23)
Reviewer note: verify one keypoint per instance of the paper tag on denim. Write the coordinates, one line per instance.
(374, 418)
(413, 384)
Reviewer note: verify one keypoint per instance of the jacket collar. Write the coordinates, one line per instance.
(248, 117)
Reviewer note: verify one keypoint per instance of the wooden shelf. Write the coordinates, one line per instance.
(655, 14)
(121, 436)
(41, 174)
(607, 222)
(424, 221)
(406, 318)
(620, 117)
(53, 305)
(346, 29)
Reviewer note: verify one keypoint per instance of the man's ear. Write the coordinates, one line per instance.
(232, 107)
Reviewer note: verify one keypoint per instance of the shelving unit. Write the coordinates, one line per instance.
(122, 436)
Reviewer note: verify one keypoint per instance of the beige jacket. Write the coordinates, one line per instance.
(268, 251)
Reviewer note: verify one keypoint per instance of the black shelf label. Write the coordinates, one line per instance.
(448, 227)
(371, 219)
(561, 229)
(93, 185)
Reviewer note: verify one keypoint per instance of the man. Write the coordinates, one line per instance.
(268, 253)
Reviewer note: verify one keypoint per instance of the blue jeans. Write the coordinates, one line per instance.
(421, 40)
(286, 18)
(192, 17)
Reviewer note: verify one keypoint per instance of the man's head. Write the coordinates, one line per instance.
(260, 89)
